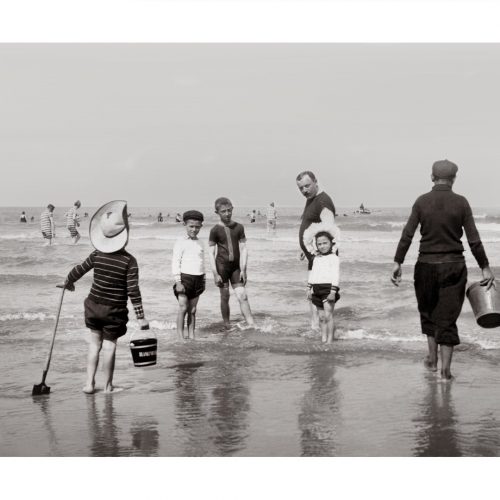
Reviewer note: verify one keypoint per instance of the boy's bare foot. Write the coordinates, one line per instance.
(446, 375)
(88, 389)
(428, 363)
(109, 388)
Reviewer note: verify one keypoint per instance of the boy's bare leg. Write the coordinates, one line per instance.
(95, 344)
(431, 359)
(446, 355)
(181, 314)
(242, 296)
(314, 317)
(322, 324)
(108, 363)
(224, 305)
(330, 324)
(191, 319)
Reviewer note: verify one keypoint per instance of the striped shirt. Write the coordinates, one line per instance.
(271, 213)
(71, 218)
(116, 277)
(46, 222)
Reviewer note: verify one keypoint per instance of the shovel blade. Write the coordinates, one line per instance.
(40, 389)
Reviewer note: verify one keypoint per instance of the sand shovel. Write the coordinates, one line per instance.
(40, 389)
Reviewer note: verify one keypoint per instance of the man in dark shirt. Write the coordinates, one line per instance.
(440, 272)
(318, 215)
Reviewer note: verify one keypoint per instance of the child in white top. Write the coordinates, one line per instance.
(323, 283)
(188, 268)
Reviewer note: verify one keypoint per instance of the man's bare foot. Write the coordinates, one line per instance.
(109, 388)
(88, 389)
(428, 363)
(446, 375)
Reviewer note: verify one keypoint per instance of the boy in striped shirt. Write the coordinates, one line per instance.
(116, 278)
(73, 221)
(47, 224)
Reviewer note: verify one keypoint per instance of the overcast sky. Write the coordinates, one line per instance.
(169, 124)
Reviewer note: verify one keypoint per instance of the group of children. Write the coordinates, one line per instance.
(116, 279)
(72, 223)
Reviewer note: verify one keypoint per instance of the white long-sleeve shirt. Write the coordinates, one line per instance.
(325, 269)
(188, 258)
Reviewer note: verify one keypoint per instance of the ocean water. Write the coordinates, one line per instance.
(273, 391)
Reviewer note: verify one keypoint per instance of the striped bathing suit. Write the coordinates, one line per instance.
(71, 221)
(116, 277)
(45, 224)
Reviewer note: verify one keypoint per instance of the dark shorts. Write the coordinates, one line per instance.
(230, 272)
(110, 320)
(320, 292)
(194, 285)
(73, 231)
(47, 236)
(440, 291)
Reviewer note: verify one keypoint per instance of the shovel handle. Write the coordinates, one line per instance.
(47, 364)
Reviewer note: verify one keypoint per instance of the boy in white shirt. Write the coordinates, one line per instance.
(323, 283)
(188, 268)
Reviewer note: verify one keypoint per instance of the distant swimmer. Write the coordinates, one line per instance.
(47, 224)
(271, 217)
(253, 216)
(23, 217)
(32, 219)
(86, 214)
(73, 221)
(160, 217)
(178, 217)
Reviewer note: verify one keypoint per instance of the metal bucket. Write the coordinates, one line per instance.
(485, 304)
(143, 349)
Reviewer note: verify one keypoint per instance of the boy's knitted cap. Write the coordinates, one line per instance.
(444, 169)
(192, 215)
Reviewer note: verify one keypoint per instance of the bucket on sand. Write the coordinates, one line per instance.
(143, 348)
(485, 304)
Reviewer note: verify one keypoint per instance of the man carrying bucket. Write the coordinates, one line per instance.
(116, 278)
(440, 272)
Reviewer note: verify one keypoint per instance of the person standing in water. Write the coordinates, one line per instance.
(440, 272)
(73, 221)
(323, 283)
(228, 256)
(47, 224)
(271, 218)
(116, 279)
(319, 214)
(23, 217)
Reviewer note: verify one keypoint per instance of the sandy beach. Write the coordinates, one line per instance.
(275, 391)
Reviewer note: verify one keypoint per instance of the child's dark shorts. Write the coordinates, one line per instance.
(193, 284)
(110, 320)
(230, 272)
(320, 292)
(73, 231)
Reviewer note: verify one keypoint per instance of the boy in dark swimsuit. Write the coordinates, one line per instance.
(228, 260)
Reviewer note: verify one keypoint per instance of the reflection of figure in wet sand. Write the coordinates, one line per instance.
(104, 433)
(319, 415)
(436, 427)
(145, 436)
(230, 407)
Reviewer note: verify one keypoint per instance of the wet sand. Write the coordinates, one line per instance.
(247, 395)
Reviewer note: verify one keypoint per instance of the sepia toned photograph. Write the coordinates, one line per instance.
(249, 250)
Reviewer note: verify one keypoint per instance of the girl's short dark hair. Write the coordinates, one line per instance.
(324, 233)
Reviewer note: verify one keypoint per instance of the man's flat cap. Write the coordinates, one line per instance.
(444, 169)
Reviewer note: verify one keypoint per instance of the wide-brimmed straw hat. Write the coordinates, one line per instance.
(109, 227)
